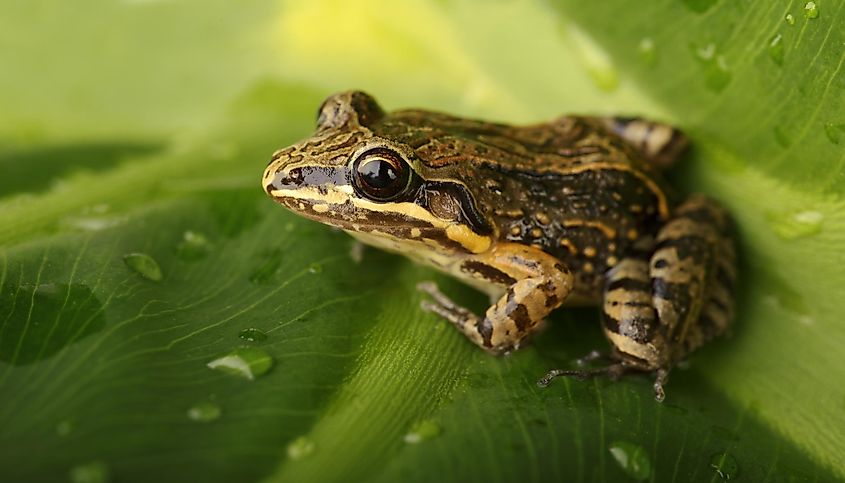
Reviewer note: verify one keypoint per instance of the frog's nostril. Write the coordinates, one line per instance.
(286, 179)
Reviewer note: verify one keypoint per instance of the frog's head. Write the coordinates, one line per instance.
(352, 175)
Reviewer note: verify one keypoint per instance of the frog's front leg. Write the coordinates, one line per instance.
(663, 302)
(536, 282)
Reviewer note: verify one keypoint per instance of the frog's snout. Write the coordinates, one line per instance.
(276, 178)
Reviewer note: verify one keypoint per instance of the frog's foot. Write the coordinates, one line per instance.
(444, 306)
(613, 371)
(537, 284)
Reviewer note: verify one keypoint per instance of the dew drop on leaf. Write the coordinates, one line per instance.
(724, 465)
(315, 268)
(717, 73)
(776, 49)
(300, 448)
(144, 265)
(204, 412)
(194, 245)
(646, 50)
(632, 458)
(811, 10)
(421, 431)
(790, 19)
(834, 132)
(246, 362)
(93, 472)
(797, 224)
(253, 335)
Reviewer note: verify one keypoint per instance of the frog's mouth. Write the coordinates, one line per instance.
(337, 206)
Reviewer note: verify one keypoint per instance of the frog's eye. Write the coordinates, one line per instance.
(381, 174)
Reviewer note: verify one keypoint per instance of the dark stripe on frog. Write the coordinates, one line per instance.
(637, 328)
(485, 329)
(470, 215)
(679, 297)
(487, 272)
(688, 246)
(548, 289)
(517, 312)
(725, 279)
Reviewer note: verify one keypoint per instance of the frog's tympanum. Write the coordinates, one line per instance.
(573, 211)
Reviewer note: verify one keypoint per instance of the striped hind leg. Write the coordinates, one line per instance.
(661, 304)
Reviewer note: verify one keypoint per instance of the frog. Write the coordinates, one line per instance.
(572, 211)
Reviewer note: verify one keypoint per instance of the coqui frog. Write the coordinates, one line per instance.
(572, 211)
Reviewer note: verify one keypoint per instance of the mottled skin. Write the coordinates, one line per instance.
(573, 210)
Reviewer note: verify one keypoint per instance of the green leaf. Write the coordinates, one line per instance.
(137, 249)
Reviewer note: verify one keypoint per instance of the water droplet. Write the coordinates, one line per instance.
(315, 268)
(92, 223)
(246, 362)
(776, 51)
(253, 335)
(835, 132)
(811, 10)
(646, 50)
(632, 458)
(797, 224)
(64, 428)
(422, 430)
(267, 269)
(717, 73)
(300, 448)
(782, 137)
(144, 265)
(194, 245)
(204, 412)
(699, 6)
(725, 465)
(93, 472)
(790, 19)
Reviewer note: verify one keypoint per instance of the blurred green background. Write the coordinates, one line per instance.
(136, 246)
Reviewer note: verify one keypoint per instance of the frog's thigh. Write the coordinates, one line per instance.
(660, 144)
(537, 283)
(692, 271)
(656, 312)
(628, 315)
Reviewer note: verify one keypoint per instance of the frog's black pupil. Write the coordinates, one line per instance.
(381, 174)
(378, 173)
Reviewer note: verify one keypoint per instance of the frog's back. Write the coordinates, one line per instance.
(570, 187)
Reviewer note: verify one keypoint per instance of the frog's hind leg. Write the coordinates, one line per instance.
(660, 144)
(693, 272)
(661, 304)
